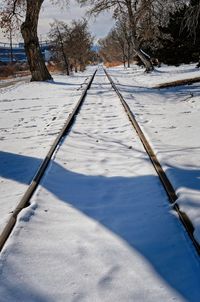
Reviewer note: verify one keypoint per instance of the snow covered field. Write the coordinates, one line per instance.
(13, 81)
(99, 227)
(161, 75)
(170, 119)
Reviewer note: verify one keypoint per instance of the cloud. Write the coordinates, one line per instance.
(99, 27)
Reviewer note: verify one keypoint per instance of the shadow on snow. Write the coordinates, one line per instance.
(124, 205)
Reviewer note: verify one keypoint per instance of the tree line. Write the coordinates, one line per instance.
(142, 28)
(170, 34)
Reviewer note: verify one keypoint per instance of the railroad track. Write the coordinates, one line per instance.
(162, 175)
(35, 182)
(24, 202)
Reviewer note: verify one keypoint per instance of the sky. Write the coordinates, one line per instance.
(99, 27)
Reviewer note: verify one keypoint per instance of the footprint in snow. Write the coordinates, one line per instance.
(146, 121)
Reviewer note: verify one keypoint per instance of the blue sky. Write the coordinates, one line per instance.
(99, 27)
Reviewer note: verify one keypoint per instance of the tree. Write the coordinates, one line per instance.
(36, 62)
(123, 36)
(9, 28)
(72, 44)
(130, 8)
(117, 46)
(178, 42)
(144, 17)
(8, 33)
(191, 21)
(112, 48)
(80, 44)
(192, 16)
(57, 35)
(26, 13)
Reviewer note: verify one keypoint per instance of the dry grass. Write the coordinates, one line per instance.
(52, 67)
(13, 70)
(113, 64)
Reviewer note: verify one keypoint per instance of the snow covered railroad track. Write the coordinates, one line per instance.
(24, 202)
(162, 175)
(99, 227)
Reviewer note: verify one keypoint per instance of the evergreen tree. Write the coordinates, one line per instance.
(178, 45)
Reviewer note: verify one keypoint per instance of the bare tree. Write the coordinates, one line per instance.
(80, 43)
(31, 42)
(57, 36)
(9, 26)
(142, 15)
(8, 33)
(112, 48)
(71, 43)
(131, 9)
(124, 37)
(26, 14)
(117, 46)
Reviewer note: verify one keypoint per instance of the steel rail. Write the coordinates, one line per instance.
(24, 202)
(162, 175)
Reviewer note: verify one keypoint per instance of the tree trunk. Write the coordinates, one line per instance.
(136, 47)
(75, 66)
(198, 64)
(128, 55)
(145, 60)
(123, 57)
(82, 64)
(66, 62)
(124, 62)
(35, 59)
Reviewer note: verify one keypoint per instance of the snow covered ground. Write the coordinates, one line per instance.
(170, 119)
(31, 116)
(161, 75)
(14, 81)
(99, 227)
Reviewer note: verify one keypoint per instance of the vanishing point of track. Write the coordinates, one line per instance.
(25, 201)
